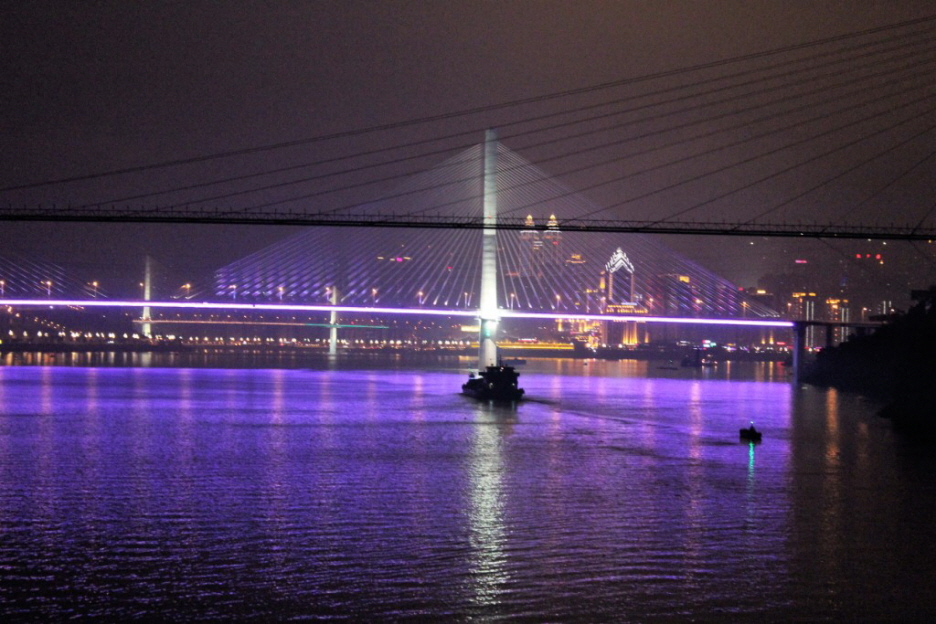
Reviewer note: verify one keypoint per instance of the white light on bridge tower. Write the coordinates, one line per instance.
(147, 328)
(487, 350)
(333, 324)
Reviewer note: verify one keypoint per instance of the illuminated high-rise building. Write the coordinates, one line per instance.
(552, 241)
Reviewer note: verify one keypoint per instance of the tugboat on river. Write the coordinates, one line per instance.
(751, 434)
(497, 383)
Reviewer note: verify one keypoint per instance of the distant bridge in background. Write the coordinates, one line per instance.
(748, 146)
(283, 217)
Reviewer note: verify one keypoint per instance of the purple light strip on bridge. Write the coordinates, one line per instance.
(645, 319)
(291, 307)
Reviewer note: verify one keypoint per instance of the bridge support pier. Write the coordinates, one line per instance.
(333, 325)
(146, 327)
(799, 351)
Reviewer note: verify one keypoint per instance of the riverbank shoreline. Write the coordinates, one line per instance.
(895, 365)
(675, 355)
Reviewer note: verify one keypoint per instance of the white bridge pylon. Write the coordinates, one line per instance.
(488, 313)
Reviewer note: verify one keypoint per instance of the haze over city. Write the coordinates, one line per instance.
(92, 90)
(470, 310)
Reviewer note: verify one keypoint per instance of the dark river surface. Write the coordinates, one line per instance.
(370, 490)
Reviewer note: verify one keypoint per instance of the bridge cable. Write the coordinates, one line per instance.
(474, 110)
(348, 171)
(579, 152)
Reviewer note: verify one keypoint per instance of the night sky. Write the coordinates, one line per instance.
(103, 86)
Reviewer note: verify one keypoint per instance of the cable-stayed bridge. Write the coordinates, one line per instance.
(537, 272)
(542, 268)
(551, 258)
(752, 146)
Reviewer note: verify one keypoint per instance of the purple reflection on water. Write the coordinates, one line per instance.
(208, 493)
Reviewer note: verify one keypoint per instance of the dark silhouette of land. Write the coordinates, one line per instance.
(895, 364)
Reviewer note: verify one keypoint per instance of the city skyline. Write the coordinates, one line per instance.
(399, 310)
(106, 103)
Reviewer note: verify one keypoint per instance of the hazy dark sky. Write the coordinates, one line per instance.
(98, 86)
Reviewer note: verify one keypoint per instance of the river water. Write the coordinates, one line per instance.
(372, 491)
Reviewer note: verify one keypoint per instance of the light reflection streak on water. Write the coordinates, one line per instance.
(555, 388)
(751, 485)
(277, 479)
(278, 412)
(186, 411)
(486, 512)
(649, 402)
(327, 406)
(418, 403)
(832, 425)
(750, 466)
(90, 432)
(371, 392)
(47, 424)
(695, 420)
(694, 506)
(620, 494)
(182, 458)
(7, 480)
(44, 485)
(46, 389)
(831, 520)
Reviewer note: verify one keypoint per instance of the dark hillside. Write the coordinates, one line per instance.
(896, 364)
